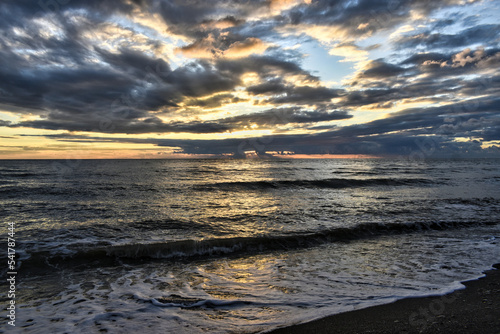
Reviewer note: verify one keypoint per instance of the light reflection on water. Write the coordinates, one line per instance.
(102, 204)
(262, 290)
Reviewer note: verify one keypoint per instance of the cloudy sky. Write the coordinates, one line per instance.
(180, 78)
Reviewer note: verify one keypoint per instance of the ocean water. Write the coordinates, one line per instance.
(238, 246)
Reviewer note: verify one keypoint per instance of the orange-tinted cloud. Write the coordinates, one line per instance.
(207, 48)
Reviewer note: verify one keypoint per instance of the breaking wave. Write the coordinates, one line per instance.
(202, 249)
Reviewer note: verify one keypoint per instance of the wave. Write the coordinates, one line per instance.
(183, 302)
(29, 190)
(12, 174)
(336, 183)
(208, 248)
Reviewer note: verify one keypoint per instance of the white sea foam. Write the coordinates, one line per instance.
(263, 291)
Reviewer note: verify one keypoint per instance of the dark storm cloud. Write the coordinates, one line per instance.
(269, 87)
(123, 86)
(20, 13)
(428, 120)
(281, 93)
(427, 76)
(416, 133)
(76, 99)
(265, 66)
(185, 17)
(304, 95)
(421, 58)
(29, 7)
(378, 69)
(75, 84)
(214, 101)
(481, 34)
(134, 63)
(371, 15)
(120, 99)
(403, 133)
(369, 96)
(69, 91)
(130, 124)
(478, 86)
(283, 116)
(98, 123)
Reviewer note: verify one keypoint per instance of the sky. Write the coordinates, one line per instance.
(412, 79)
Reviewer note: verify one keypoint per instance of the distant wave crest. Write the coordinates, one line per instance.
(335, 183)
(200, 249)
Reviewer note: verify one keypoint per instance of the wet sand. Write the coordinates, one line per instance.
(475, 309)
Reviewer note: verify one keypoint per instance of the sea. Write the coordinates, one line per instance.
(237, 246)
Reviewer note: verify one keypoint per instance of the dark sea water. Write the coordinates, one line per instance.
(238, 246)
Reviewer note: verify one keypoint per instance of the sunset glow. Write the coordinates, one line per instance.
(177, 79)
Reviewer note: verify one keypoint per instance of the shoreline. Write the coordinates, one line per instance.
(475, 309)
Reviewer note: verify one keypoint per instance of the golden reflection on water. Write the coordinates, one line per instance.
(240, 278)
(342, 266)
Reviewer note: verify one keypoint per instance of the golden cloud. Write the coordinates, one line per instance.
(351, 53)
(245, 48)
(277, 6)
(206, 48)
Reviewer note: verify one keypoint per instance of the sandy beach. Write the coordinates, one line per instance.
(475, 309)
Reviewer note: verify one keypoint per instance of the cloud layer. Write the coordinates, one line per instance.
(130, 72)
